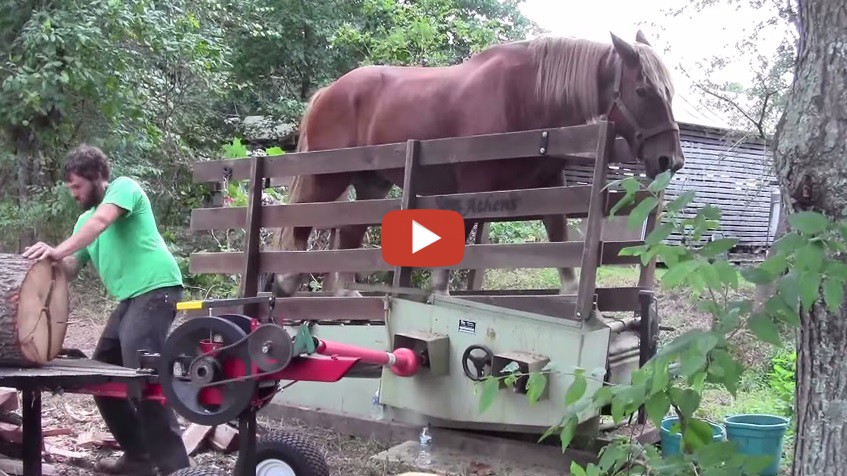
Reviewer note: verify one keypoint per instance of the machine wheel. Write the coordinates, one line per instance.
(199, 471)
(284, 454)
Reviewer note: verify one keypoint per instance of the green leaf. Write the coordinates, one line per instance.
(789, 242)
(711, 277)
(657, 407)
(775, 306)
(687, 400)
(715, 453)
(577, 388)
(633, 250)
(692, 361)
(609, 457)
(836, 269)
(731, 369)
(536, 383)
(641, 211)
(757, 275)
(660, 182)
(776, 264)
(603, 396)
(510, 368)
(810, 285)
(833, 293)
(677, 274)
(789, 288)
(630, 185)
(808, 222)
(568, 431)
(576, 469)
(714, 248)
(680, 202)
(710, 213)
(727, 273)
(624, 201)
(697, 435)
(490, 386)
(755, 464)
(659, 234)
(810, 257)
(661, 376)
(763, 327)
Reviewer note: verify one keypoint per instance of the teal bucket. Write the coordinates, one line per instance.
(757, 434)
(671, 443)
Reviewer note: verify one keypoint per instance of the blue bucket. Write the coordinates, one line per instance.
(757, 434)
(672, 442)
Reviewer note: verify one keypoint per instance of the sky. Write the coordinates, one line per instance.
(681, 40)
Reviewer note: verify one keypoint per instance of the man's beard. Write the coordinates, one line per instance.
(93, 199)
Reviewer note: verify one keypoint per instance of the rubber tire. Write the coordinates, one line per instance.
(298, 452)
(199, 471)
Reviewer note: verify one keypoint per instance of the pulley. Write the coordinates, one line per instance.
(196, 355)
(270, 348)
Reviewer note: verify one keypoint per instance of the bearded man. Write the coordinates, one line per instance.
(117, 234)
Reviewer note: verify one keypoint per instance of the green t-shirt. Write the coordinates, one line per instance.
(130, 255)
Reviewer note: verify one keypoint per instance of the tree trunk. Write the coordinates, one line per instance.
(33, 311)
(811, 165)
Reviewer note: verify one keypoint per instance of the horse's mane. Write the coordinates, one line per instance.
(568, 68)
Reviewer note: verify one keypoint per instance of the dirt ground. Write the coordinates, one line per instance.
(72, 456)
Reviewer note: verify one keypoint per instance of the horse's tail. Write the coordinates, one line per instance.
(303, 143)
(283, 239)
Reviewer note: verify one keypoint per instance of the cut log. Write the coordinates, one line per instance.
(34, 309)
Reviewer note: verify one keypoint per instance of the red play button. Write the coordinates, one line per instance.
(423, 238)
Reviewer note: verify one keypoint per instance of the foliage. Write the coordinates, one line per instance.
(430, 32)
(781, 379)
(805, 263)
(128, 77)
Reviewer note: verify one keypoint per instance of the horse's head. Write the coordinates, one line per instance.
(641, 106)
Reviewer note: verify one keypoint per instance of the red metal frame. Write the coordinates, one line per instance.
(332, 365)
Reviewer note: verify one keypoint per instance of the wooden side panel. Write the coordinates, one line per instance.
(483, 256)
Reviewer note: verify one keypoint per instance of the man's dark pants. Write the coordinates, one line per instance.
(143, 428)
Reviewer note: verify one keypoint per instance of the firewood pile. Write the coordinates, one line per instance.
(73, 435)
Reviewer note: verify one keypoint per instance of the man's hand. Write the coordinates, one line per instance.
(41, 251)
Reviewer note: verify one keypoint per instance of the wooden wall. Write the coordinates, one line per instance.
(732, 173)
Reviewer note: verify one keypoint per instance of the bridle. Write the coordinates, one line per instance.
(640, 135)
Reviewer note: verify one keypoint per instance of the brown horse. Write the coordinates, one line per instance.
(532, 84)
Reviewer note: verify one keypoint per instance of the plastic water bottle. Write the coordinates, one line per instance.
(424, 458)
(377, 410)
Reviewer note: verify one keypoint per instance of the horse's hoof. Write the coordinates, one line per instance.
(348, 293)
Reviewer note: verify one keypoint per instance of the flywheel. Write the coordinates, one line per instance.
(197, 355)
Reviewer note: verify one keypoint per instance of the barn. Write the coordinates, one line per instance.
(725, 167)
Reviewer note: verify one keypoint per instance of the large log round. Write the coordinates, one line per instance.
(34, 306)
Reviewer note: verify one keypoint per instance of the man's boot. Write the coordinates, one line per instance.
(126, 466)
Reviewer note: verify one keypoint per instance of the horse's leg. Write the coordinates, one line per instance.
(440, 278)
(557, 231)
(305, 189)
(368, 186)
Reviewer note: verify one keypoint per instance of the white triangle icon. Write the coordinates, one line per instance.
(422, 237)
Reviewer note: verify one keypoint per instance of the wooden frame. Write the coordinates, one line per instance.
(579, 146)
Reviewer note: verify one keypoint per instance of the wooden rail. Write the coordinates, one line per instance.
(586, 147)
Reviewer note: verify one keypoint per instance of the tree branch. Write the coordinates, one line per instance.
(734, 105)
